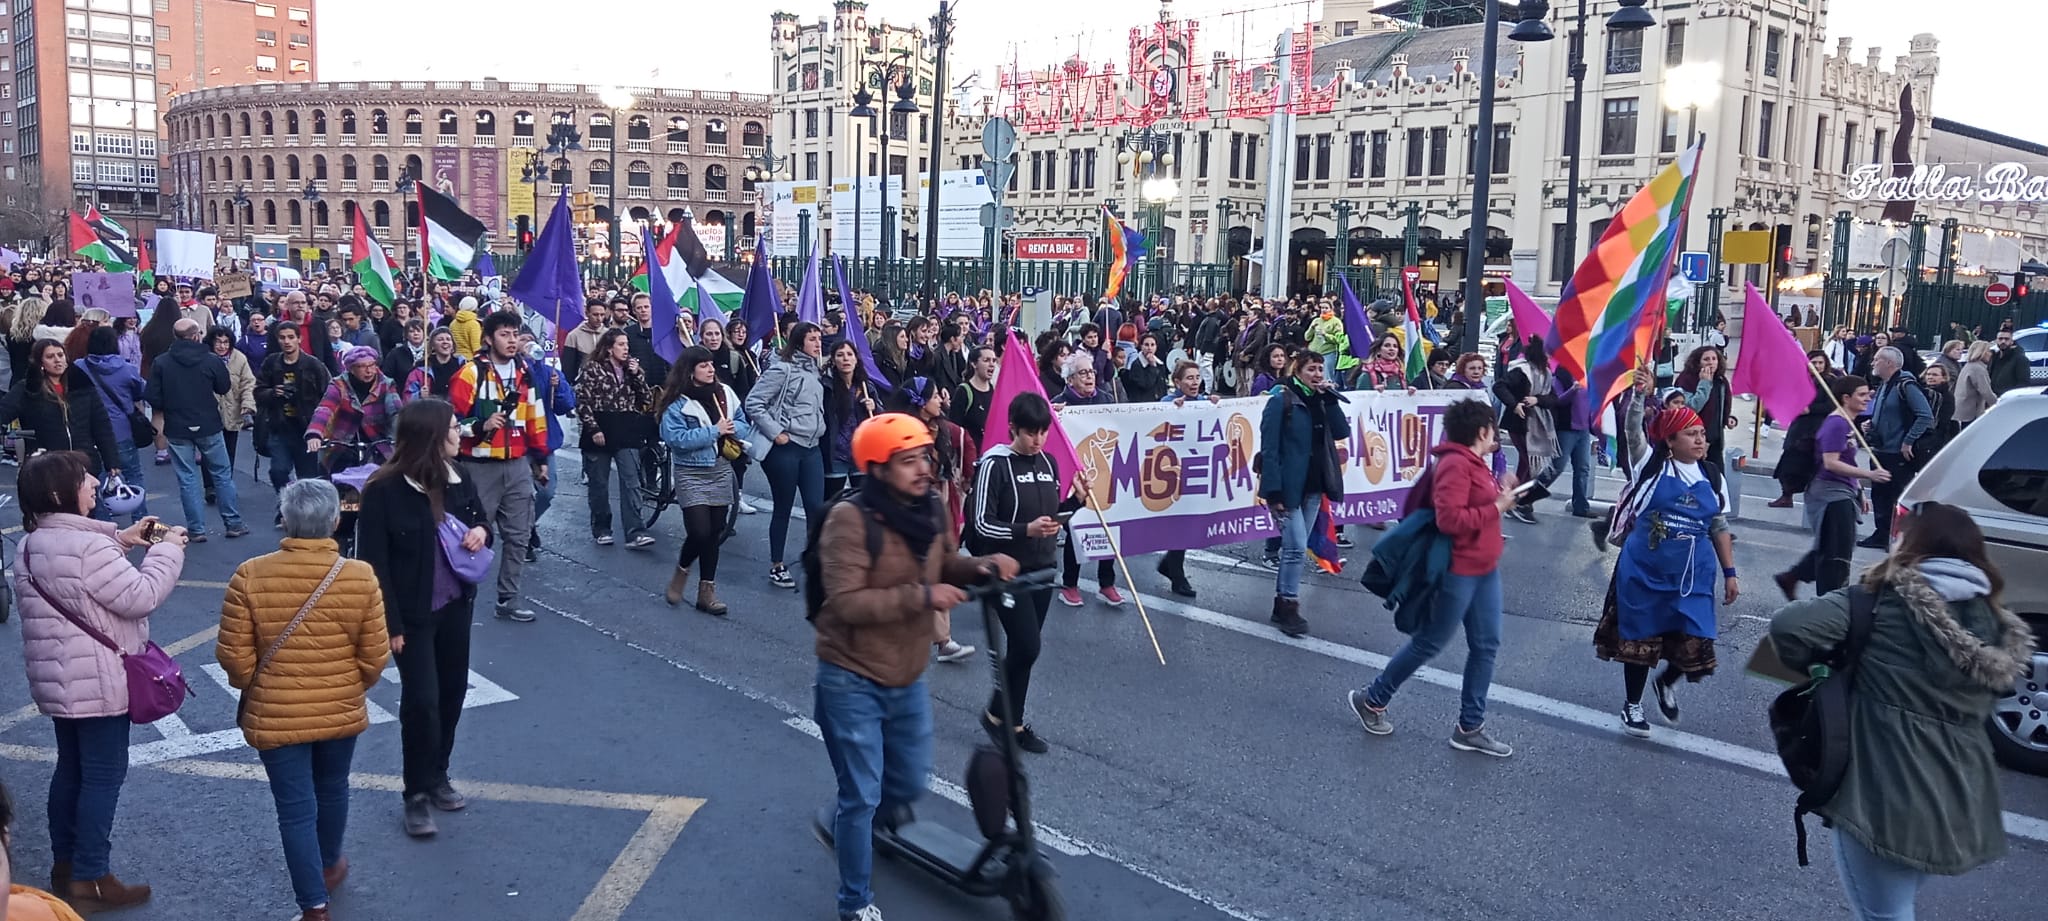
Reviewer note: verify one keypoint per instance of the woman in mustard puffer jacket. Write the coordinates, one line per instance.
(306, 707)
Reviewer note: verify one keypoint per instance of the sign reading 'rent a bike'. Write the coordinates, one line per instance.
(1993, 183)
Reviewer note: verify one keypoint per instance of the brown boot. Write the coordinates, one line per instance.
(335, 875)
(60, 876)
(103, 894)
(676, 583)
(1287, 614)
(707, 599)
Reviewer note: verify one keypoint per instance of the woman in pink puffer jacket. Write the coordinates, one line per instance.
(83, 564)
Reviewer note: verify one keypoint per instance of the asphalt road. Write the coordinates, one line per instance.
(626, 760)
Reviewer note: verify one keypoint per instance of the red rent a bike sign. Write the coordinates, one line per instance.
(1063, 249)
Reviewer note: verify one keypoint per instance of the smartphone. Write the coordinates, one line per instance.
(1064, 517)
(1521, 488)
(156, 532)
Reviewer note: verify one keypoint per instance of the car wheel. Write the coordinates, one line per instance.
(2019, 721)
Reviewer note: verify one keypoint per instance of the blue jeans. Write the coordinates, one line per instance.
(792, 468)
(880, 741)
(1577, 448)
(92, 762)
(1878, 889)
(1293, 551)
(213, 451)
(288, 455)
(309, 781)
(1473, 601)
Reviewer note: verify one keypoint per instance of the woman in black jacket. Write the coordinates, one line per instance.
(1146, 378)
(426, 605)
(57, 402)
(1519, 395)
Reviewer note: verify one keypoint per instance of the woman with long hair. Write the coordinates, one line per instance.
(1974, 395)
(738, 368)
(84, 607)
(1052, 362)
(850, 399)
(413, 507)
(892, 355)
(787, 407)
(1920, 795)
(612, 395)
(75, 341)
(1526, 396)
(1271, 368)
(1705, 382)
(1383, 370)
(1673, 538)
(1939, 385)
(704, 425)
(120, 388)
(971, 402)
(157, 336)
(1298, 467)
(1834, 491)
(23, 331)
(59, 405)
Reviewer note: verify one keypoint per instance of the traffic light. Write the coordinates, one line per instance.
(1782, 238)
(525, 234)
(2019, 285)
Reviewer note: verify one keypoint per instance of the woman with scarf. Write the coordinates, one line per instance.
(433, 376)
(1941, 401)
(851, 398)
(1673, 538)
(1145, 378)
(612, 393)
(1834, 490)
(1705, 382)
(1298, 467)
(892, 356)
(704, 425)
(1052, 362)
(1082, 390)
(360, 407)
(1383, 370)
(1526, 397)
(1270, 369)
(254, 343)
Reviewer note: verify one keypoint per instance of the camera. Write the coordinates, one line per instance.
(156, 532)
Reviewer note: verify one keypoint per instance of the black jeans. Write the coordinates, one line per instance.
(1023, 624)
(1827, 564)
(433, 678)
(703, 531)
(1070, 567)
(1884, 497)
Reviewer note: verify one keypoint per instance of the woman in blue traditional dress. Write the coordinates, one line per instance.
(1674, 538)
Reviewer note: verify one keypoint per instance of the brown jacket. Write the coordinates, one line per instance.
(313, 689)
(875, 621)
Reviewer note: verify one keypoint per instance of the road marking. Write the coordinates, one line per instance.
(637, 862)
(795, 719)
(192, 642)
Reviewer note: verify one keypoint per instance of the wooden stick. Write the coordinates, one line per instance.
(1110, 533)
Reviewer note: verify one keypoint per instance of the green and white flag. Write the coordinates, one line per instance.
(449, 236)
(373, 266)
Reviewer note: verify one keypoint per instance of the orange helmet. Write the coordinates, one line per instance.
(880, 437)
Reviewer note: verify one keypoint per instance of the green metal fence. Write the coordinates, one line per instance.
(905, 277)
(1931, 308)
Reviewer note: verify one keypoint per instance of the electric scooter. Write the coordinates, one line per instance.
(1007, 863)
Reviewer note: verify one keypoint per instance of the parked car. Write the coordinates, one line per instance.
(1997, 470)
(2034, 342)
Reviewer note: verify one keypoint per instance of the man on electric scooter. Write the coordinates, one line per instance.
(876, 624)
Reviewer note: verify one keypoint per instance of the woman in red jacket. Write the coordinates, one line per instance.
(1468, 503)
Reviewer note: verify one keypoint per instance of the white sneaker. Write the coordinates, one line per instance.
(950, 651)
(747, 508)
(870, 913)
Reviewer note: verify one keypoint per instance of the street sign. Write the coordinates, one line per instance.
(1063, 248)
(1692, 266)
(990, 215)
(1746, 247)
(998, 173)
(998, 138)
(1997, 293)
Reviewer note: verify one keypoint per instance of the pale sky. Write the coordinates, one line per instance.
(723, 46)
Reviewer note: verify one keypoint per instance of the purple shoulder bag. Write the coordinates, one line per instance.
(156, 686)
(470, 567)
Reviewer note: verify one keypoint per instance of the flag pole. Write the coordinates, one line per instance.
(1110, 533)
(1854, 432)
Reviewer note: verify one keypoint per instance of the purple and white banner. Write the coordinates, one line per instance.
(1180, 478)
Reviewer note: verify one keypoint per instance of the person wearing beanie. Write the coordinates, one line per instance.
(359, 405)
(468, 330)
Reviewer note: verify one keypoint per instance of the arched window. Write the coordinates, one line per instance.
(320, 122)
(245, 125)
(379, 122)
(601, 130)
(486, 124)
(558, 172)
(348, 167)
(678, 135)
(413, 166)
(600, 172)
(211, 176)
(380, 168)
(380, 213)
(747, 226)
(638, 130)
(447, 126)
(294, 212)
(320, 167)
(269, 168)
(209, 126)
(714, 131)
(291, 122)
(348, 212)
(320, 213)
(348, 122)
(227, 169)
(412, 212)
(414, 125)
(269, 124)
(248, 168)
(753, 135)
(522, 125)
(639, 177)
(269, 212)
(678, 180)
(291, 166)
(714, 178)
(213, 214)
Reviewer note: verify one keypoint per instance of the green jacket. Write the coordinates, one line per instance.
(1922, 787)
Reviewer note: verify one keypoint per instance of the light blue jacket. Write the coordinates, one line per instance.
(691, 436)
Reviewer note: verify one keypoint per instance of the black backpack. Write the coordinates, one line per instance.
(812, 562)
(1810, 723)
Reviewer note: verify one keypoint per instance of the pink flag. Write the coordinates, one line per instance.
(1018, 376)
(1771, 365)
(1530, 320)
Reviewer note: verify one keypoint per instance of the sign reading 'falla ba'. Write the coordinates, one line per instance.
(1995, 183)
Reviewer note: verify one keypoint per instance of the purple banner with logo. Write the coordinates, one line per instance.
(482, 191)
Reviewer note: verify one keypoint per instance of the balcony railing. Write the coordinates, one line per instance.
(484, 140)
(637, 145)
(752, 151)
(524, 140)
(447, 140)
(714, 150)
(675, 194)
(380, 140)
(597, 143)
(601, 191)
(679, 147)
(714, 195)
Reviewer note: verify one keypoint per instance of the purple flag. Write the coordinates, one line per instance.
(548, 281)
(1356, 327)
(763, 302)
(855, 333)
(810, 299)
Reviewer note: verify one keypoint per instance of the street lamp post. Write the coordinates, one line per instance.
(1223, 206)
(1528, 28)
(942, 35)
(247, 209)
(1687, 87)
(1147, 152)
(312, 197)
(765, 168)
(1631, 17)
(618, 101)
(891, 72)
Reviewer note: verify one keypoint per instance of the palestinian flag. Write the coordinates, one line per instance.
(101, 240)
(1416, 367)
(373, 266)
(449, 236)
(663, 255)
(143, 269)
(687, 252)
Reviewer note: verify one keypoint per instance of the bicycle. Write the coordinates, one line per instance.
(657, 482)
(348, 467)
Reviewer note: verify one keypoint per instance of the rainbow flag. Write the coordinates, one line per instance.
(1322, 540)
(1607, 316)
(1126, 248)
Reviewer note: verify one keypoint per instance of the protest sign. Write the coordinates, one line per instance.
(113, 292)
(1180, 478)
(234, 284)
(184, 253)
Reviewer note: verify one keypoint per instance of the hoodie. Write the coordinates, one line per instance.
(1010, 491)
(120, 386)
(468, 332)
(185, 385)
